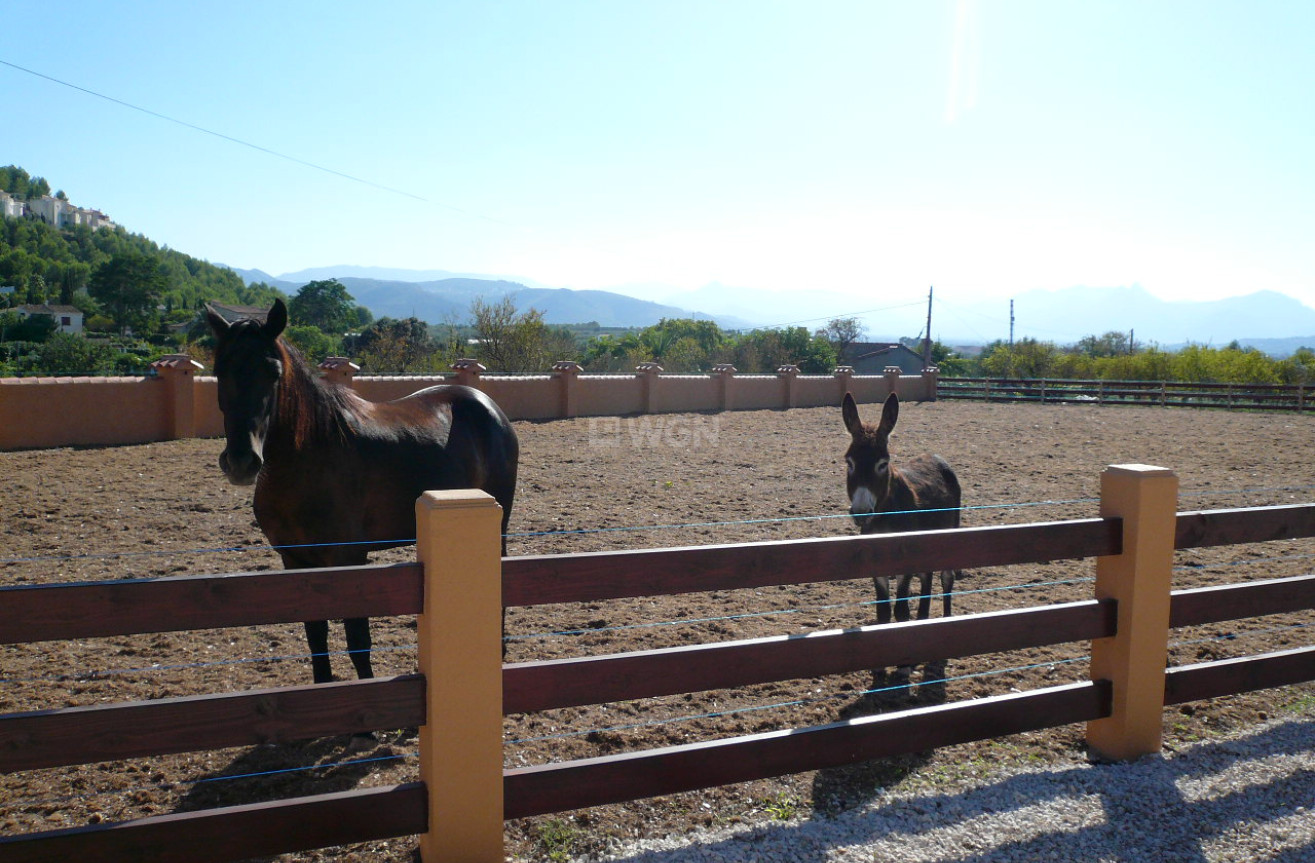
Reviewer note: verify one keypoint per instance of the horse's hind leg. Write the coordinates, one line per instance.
(357, 631)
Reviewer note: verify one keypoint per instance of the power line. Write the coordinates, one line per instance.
(213, 133)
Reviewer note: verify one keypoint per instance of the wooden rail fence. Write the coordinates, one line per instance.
(464, 792)
(1280, 397)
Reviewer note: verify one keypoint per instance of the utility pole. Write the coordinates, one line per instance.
(1011, 324)
(926, 341)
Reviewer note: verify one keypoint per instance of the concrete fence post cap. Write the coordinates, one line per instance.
(468, 364)
(176, 361)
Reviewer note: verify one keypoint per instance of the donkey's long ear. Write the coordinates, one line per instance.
(276, 321)
(218, 325)
(890, 413)
(849, 410)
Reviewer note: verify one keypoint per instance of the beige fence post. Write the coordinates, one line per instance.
(460, 632)
(468, 372)
(567, 373)
(892, 375)
(178, 373)
(1134, 659)
(931, 378)
(844, 380)
(725, 373)
(787, 373)
(649, 376)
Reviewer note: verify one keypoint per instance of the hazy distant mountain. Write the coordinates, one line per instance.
(449, 298)
(1271, 321)
(1065, 316)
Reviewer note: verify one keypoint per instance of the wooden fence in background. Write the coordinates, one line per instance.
(1281, 397)
(460, 588)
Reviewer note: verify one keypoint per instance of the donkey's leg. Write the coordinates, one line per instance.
(882, 584)
(947, 589)
(317, 637)
(924, 595)
(357, 631)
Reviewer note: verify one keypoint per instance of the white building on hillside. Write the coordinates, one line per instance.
(53, 211)
(67, 318)
(10, 207)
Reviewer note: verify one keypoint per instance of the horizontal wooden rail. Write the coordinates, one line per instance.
(234, 832)
(550, 684)
(1233, 676)
(590, 576)
(669, 770)
(1237, 526)
(1204, 605)
(81, 735)
(31, 613)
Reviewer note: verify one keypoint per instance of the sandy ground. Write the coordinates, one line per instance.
(633, 482)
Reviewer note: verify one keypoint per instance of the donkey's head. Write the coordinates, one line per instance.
(868, 458)
(249, 365)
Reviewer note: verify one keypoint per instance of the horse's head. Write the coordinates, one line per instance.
(249, 365)
(868, 457)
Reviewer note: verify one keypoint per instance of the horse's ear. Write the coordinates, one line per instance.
(218, 325)
(277, 320)
(849, 410)
(890, 413)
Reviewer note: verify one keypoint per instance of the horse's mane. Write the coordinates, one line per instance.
(315, 411)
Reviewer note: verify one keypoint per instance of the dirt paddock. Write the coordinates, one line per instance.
(607, 483)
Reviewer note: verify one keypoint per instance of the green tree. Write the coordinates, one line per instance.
(314, 343)
(64, 354)
(129, 286)
(36, 289)
(842, 332)
(1111, 344)
(1026, 358)
(510, 340)
(390, 345)
(326, 304)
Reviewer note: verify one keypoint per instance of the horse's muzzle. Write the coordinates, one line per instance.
(242, 469)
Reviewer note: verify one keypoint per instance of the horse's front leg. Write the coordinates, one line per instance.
(902, 597)
(357, 631)
(317, 637)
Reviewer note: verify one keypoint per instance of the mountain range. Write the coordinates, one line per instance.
(1267, 320)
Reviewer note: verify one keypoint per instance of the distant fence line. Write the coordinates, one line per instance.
(1281, 397)
(176, 401)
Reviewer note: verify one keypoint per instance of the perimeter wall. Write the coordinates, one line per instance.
(176, 401)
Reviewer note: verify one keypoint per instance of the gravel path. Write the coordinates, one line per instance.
(1249, 797)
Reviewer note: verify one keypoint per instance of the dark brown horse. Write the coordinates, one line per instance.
(922, 493)
(338, 476)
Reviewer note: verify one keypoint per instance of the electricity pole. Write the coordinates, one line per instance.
(926, 341)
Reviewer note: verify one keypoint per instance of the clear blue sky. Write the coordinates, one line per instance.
(982, 146)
